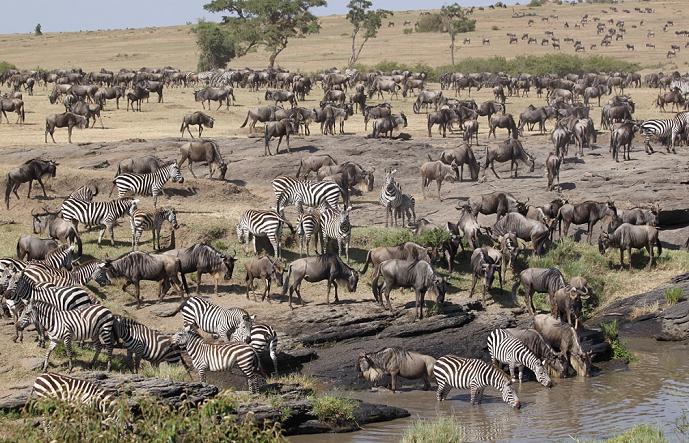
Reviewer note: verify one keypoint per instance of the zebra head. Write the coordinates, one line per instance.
(175, 173)
(542, 375)
(171, 216)
(101, 274)
(242, 332)
(27, 317)
(183, 337)
(509, 396)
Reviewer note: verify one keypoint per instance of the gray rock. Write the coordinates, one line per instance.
(674, 322)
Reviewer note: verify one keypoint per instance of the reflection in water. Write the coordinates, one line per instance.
(654, 390)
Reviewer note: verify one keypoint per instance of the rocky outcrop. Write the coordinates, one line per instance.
(674, 322)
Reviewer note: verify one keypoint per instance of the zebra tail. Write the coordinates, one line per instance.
(8, 191)
(660, 248)
(366, 262)
(285, 283)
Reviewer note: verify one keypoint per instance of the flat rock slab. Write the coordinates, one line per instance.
(427, 326)
(674, 322)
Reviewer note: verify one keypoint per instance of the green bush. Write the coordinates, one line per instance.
(4, 67)
(408, 31)
(372, 237)
(673, 295)
(435, 237)
(535, 3)
(441, 429)
(333, 409)
(619, 349)
(430, 23)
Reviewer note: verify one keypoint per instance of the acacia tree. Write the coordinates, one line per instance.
(456, 21)
(267, 23)
(216, 45)
(366, 20)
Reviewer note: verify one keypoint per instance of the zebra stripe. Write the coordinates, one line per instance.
(142, 221)
(142, 342)
(395, 201)
(36, 274)
(214, 357)
(298, 192)
(451, 371)
(258, 223)
(264, 340)
(505, 348)
(308, 224)
(147, 184)
(73, 390)
(217, 320)
(85, 193)
(335, 224)
(662, 129)
(94, 322)
(103, 214)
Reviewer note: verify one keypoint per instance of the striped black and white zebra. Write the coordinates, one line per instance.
(143, 221)
(147, 184)
(397, 204)
(264, 340)
(37, 274)
(335, 225)
(308, 227)
(73, 390)
(261, 223)
(505, 348)
(451, 371)
(665, 130)
(92, 322)
(85, 193)
(217, 320)
(300, 193)
(103, 214)
(145, 343)
(221, 357)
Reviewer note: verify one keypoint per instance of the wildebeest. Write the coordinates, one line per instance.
(509, 248)
(441, 118)
(66, 119)
(203, 151)
(566, 302)
(470, 131)
(374, 112)
(397, 362)
(628, 236)
(56, 227)
(642, 216)
(12, 105)
(136, 266)
(265, 268)
(552, 165)
(261, 114)
(383, 84)
(282, 128)
(561, 138)
(34, 248)
(544, 280)
(533, 115)
(425, 98)
(467, 225)
(34, 169)
(564, 339)
(328, 267)
(196, 118)
(459, 157)
(588, 212)
(525, 229)
(140, 165)
(279, 96)
(136, 96)
(438, 171)
(405, 251)
(103, 94)
(216, 94)
(621, 138)
(204, 259)
(510, 150)
(386, 125)
(557, 364)
(89, 111)
(415, 274)
(499, 203)
(313, 163)
(503, 121)
(484, 264)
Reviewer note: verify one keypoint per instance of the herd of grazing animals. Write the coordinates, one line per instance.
(44, 286)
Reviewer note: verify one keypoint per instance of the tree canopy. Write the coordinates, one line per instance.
(456, 20)
(366, 20)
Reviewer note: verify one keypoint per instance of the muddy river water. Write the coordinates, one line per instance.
(654, 389)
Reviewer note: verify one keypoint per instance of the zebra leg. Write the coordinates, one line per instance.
(53, 345)
(273, 353)
(443, 390)
(512, 367)
(521, 373)
(68, 349)
(98, 346)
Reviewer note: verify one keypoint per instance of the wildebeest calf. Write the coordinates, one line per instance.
(265, 268)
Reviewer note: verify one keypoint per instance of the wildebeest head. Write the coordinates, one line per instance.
(223, 170)
(103, 275)
(81, 121)
(523, 207)
(611, 209)
(51, 168)
(509, 396)
(197, 96)
(210, 121)
(352, 280)
(369, 179)
(367, 369)
(404, 118)
(229, 261)
(440, 287)
(603, 242)
(175, 173)
(581, 363)
(41, 219)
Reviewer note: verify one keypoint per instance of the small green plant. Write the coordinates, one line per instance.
(435, 237)
(619, 349)
(408, 31)
(4, 67)
(610, 330)
(441, 429)
(673, 295)
(333, 409)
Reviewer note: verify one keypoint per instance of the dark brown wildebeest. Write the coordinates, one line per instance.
(215, 94)
(564, 339)
(104, 94)
(543, 280)
(140, 165)
(34, 169)
(499, 203)
(503, 121)
(533, 115)
(397, 362)
(266, 268)
(628, 236)
(415, 274)
(375, 112)
(280, 129)
(441, 118)
(153, 86)
(485, 263)
(313, 163)
(12, 105)
(460, 156)
(510, 150)
(588, 212)
(203, 151)
(34, 248)
(89, 111)
(557, 365)
(136, 266)
(136, 96)
(328, 267)
(405, 251)
(205, 259)
(385, 126)
(566, 302)
(66, 119)
(552, 165)
(261, 114)
(436, 171)
(470, 131)
(527, 229)
(621, 140)
(675, 97)
(279, 96)
(196, 118)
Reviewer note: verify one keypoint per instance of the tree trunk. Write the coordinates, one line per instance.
(353, 58)
(274, 55)
(452, 49)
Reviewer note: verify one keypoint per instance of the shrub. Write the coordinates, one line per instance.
(408, 31)
(333, 409)
(430, 23)
(216, 45)
(535, 3)
(371, 237)
(619, 349)
(673, 295)
(441, 429)
(435, 237)
(4, 67)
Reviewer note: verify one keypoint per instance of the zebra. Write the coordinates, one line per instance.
(94, 322)
(264, 340)
(37, 274)
(259, 223)
(73, 390)
(147, 184)
(298, 192)
(103, 214)
(141, 221)
(662, 129)
(335, 224)
(216, 320)
(142, 342)
(451, 371)
(221, 357)
(505, 348)
(395, 201)
(308, 226)
(85, 193)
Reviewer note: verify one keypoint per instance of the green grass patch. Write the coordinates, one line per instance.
(333, 409)
(619, 349)
(639, 434)
(372, 237)
(441, 429)
(673, 295)
(5, 66)
(304, 381)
